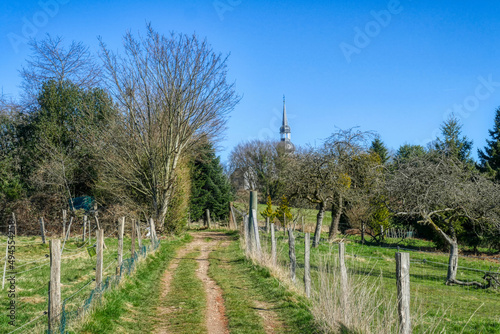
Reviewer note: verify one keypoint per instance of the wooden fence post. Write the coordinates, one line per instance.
(343, 279)
(67, 234)
(139, 236)
(55, 283)
(121, 227)
(5, 263)
(403, 285)
(267, 225)
(291, 254)
(207, 218)
(273, 245)
(307, 264)
(256, 242)
(90, 235)
(14, 222)
(251, 220)
(152, 231)
(231, 218)
(84, 228)
(99, 257)
(132, 236)
(42, 229)
(245, 232)
(65, 217)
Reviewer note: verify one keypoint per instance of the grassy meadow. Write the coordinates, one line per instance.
(455, 309)
(32, 267)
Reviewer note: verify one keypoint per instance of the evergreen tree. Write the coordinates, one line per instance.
(490, 156)
(210, 188)
(283, 212)
(379, 148)
(408, 151)
(453, 144)
(268, 212)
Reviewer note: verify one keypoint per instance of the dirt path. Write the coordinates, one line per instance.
(272, 324)
(215, 318)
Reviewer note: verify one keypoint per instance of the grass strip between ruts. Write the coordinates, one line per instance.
(243, 282)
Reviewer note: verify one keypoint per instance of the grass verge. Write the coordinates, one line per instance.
(131, 308)
(186, 302)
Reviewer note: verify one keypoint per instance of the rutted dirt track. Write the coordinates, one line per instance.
(215, 318)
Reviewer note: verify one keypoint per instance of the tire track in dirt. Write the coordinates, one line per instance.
(215, 317)
(272, 324)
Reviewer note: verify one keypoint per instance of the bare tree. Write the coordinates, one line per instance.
(351, 163)
(51, 60)
(312, 176)
(172, 92)
(259, 165)
(444, 192)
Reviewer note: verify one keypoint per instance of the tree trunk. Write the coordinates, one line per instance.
(453, 262)
(334, 227)
(362, 232)
(319, 224)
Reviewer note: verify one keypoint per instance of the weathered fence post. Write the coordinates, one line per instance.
(152, 231)
(403, 285)
(5, 263)
(207, 218)
(90, 235)
(67, 234)
(14, 222)
(234, 216)
(42, 229)
(291, 254)
(55, 283)
(84, 228)
(65, 217)
(273, 245)
(99, 257)
(132, 236)
(255, 224)
(251, 220)
(231, 218)
(343, 279)
(307, 264)
(121, 227)
(139, 236)
(245, 233)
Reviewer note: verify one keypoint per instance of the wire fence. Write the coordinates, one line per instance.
(375, 267)
(81, 297)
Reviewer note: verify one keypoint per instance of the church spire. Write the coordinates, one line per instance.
(285, 121)
(285, 131)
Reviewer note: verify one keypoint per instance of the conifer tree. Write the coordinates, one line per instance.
(490, 156)
(210, 188)
(453, 144)
(379, 148)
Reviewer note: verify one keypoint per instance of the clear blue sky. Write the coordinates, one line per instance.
(396, 68)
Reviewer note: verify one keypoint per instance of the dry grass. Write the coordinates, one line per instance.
(363, 309)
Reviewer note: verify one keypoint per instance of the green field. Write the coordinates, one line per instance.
(33, 272)
(432, 301)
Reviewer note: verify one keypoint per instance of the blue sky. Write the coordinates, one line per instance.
(394, 67)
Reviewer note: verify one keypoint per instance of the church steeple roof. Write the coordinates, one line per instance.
(285, 132)
(284, 127)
